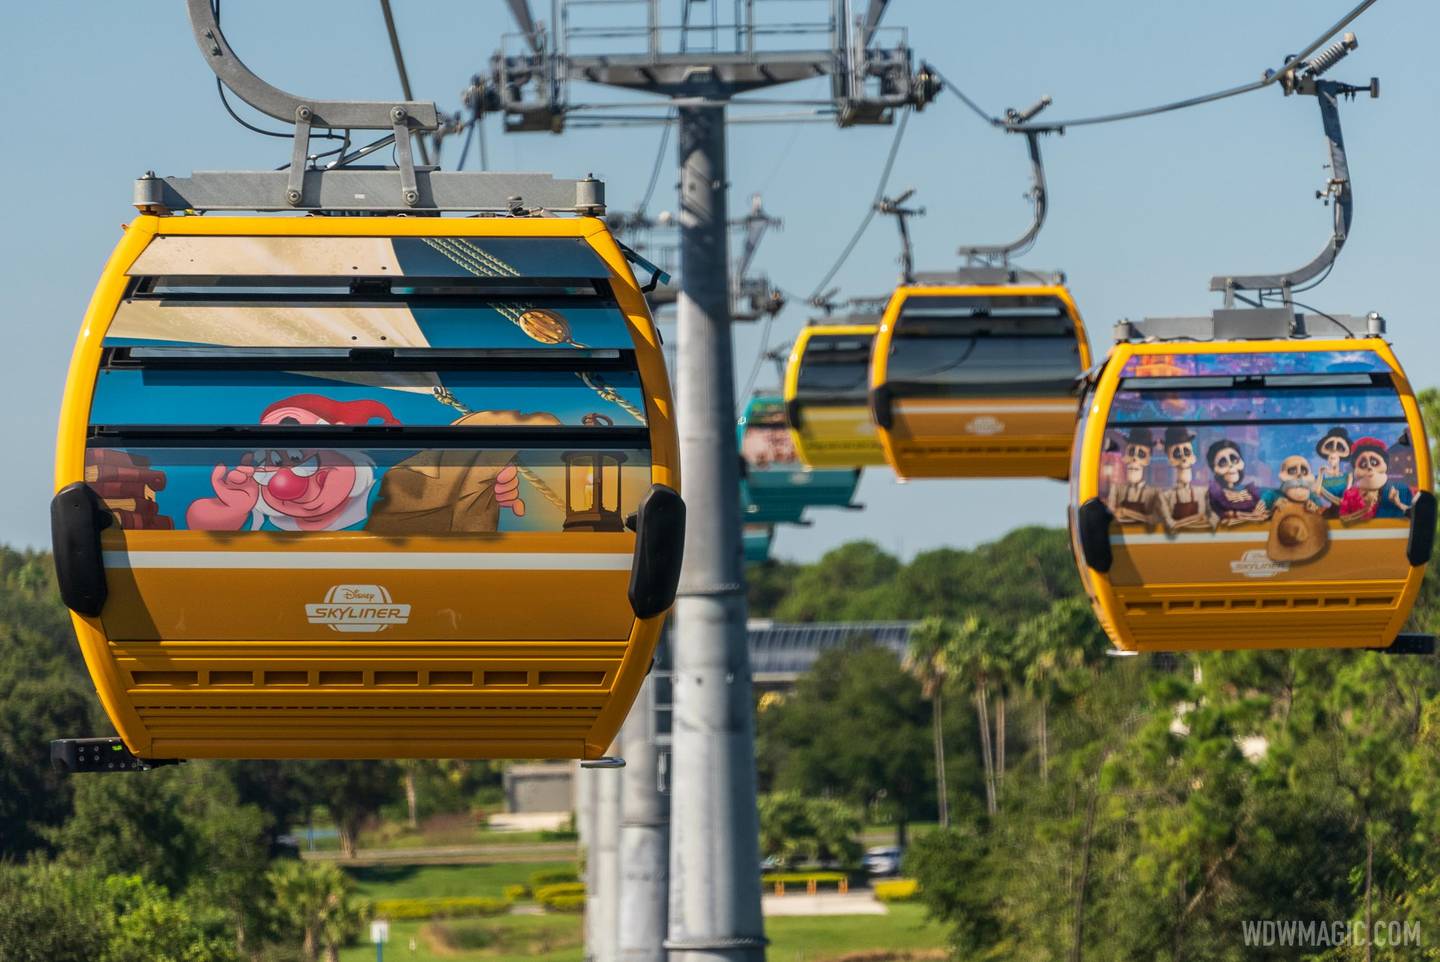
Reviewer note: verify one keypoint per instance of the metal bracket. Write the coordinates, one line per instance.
(895, 207)
(1409, 643)
(409, 191)
(603, 763)
(295, 183)
(74, 756)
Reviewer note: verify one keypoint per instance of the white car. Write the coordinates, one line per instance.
(884, 860)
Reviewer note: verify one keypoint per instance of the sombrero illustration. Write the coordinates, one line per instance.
(1296, 534)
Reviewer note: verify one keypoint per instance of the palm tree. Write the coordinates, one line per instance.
(973, 655)
(410, 768)
(1056, 646)
(1004, 666)
(315, 899)
(929, 642)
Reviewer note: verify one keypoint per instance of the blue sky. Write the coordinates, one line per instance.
(1142, 214)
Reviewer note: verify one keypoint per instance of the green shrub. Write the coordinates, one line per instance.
(517, 893)
(559, 888)
(552, 876)
(558, 835)
(562, 896)
(566, 903)
(897, 890)
(433, 908)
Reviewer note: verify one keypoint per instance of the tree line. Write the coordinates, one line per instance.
(180, 863)
(1090, 807)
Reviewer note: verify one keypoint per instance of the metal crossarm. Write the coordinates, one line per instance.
(1256, 323)
(369, 190)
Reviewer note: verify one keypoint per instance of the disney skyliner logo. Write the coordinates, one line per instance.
(358, 608)
(1265, 933)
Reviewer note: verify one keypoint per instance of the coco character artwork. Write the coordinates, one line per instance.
(1334, 473)
(1184, 504)
(1373, 494)
(1233, 499)
(1133, 501)
(1297, 486)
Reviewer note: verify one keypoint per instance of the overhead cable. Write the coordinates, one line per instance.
(761, 354)
(869, 210)
(1270, 77)
(400, 69)
(655, 170)
(225, 102)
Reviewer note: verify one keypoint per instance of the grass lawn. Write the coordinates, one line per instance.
(439, 881)
(512, 939)
(873, 834)
(814, 938)
(556, 938)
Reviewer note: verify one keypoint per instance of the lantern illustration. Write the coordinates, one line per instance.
(592, 490)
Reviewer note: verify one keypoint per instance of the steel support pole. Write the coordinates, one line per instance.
(644, 836)
(585, 826)
(714, 845)
(605, 857)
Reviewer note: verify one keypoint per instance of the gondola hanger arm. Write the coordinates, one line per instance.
(1302, 76)
(1039, 196)
(288, 107)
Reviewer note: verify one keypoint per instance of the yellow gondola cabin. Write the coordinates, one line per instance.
(367, 487)
(826, 385)
(978, 380)
(1252, 494)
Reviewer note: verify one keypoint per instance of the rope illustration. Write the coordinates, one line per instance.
(444, 396)
(482, 263)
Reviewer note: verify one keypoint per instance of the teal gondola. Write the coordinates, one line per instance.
(776, 488)
(756, 539)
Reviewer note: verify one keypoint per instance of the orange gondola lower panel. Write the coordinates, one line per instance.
(978, 380)
(1252, 494)
(367, 487)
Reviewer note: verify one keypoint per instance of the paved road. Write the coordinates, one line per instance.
(823, 903)
(454, 854)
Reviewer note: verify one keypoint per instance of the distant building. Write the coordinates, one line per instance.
(781, 653)
(539, 787)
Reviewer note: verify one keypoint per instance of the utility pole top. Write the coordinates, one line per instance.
(871, 70)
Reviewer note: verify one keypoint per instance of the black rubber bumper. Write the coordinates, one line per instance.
(659, 549)
(76, 519)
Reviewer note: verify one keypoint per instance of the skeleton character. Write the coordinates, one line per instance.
(1373, 494)
(1297, 486)
(1232, 498)
(1184, 504)
(1333, 477)
(1133, 501)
